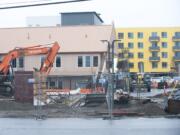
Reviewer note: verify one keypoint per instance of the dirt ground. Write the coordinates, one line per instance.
(11, 108)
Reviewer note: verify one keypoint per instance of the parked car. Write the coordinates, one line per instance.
(156, 79)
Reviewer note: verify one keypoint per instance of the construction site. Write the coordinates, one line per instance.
(72, 71)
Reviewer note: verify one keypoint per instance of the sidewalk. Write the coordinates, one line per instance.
(154, 92)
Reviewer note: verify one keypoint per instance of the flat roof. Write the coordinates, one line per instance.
(90, 12)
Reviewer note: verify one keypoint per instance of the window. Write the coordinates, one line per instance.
(120, 45)
(14, 63)
(130, 35)
(131, 65)
(130, 55)
(60, 84)
(177, 43)
(164, 64)
(58, 61)
(164, 54)
(140, 45)
(95, 61)
(141, 67)
(154, 54)
(21, 62)
(88, 61)
(130, 45)
(177, 34)
(1, 58)
(52, 84)
(42, 59)
(140, 55)
(154, 64)
(164, 44)
(121, 55)
(154, 44)
(154, 34)
(140, 34)
(80, 61)
(164, 34)
(177, 54)
(120, 35)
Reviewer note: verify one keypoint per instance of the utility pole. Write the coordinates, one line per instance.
(111, 76)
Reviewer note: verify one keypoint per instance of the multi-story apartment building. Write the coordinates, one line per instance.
(152, 50)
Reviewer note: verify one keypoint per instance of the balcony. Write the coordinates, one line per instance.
(176, 38)
(154, 38)
(176, 48)
(154, 48)
(176, 58)
(153, 58)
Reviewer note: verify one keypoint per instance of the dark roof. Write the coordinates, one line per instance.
(92, 12)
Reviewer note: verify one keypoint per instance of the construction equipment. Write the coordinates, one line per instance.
(6, 71)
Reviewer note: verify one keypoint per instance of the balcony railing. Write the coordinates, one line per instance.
(176, 38)
(176, 58)
(154, 48)
(153, 58)
(154, 38)
(176, 48)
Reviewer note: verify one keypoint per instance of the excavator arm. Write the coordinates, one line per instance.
(6, 79)
(28, 51)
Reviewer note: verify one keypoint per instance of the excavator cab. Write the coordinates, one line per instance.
(6, 83)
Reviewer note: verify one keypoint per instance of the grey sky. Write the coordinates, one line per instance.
(124, 13)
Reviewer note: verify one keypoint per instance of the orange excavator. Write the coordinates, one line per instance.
(6, 72)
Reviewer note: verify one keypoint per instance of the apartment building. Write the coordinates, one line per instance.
(152, 50)
(81, 54)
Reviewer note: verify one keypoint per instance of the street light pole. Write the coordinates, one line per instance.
(111, 77)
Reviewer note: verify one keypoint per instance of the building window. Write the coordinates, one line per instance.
(164, 64)
(95, 61)
(177, 34)
(120, 45)
(140, 45)
(154, 54)
(154, 44)
(141, 67)
(13, 63)
(88, 61)
(130, 55)
(60, 84)
(120, 35)
(164, 34)
(140, 55)
(164, 44)
(121, 55)
(21, 62)
(154, 34)
(131, 65)
(130, 35)
(130, 45)
(154, 65)
(140, 35)
(42, 59)
(177, 43)
(58, 61)
(177, 54)
(164, 54)
(52, 84)
(80, 61)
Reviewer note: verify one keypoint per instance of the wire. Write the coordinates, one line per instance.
(42, 4)
(9, 3)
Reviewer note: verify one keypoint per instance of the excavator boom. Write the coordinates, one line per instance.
(28, 51)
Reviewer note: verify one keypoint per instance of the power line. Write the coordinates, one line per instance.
(42, 4)
(10, 3)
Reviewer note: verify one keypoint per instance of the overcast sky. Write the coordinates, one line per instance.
(124, 13)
